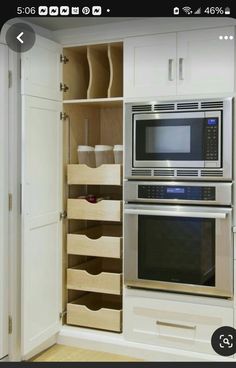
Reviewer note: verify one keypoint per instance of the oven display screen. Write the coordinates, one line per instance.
(175, 190)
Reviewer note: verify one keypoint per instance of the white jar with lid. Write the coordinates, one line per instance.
(86, 155)
(118, 154)
(104, 155)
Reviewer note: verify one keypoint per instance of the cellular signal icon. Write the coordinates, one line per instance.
(198, 11)
(187, 10)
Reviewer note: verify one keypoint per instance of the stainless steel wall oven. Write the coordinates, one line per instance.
(178, 237)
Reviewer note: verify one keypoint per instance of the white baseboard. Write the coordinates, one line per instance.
(115, 343)
(47, 344)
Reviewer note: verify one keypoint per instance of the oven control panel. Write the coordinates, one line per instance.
(202, 193)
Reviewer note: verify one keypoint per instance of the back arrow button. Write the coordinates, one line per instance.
(19, 37)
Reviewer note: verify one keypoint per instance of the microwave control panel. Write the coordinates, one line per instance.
(197, 193)
(211, 139)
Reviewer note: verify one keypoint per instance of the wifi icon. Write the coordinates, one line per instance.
(187, 10)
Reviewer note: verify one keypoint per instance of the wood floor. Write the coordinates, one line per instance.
(62, 353)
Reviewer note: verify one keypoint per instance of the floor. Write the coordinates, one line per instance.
(62, 353)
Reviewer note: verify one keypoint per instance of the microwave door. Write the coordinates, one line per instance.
(179, 248)
(169, 140)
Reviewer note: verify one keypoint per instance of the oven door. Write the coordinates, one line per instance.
(179, 248)
(175, 139)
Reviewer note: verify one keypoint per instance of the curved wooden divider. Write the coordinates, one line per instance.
(99, 71)
(115, 56)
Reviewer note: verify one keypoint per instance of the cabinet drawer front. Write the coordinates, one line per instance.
(172, 324)
(102, 175)
(105, 210)
(104, 282)
(105, 319)
(105, 246)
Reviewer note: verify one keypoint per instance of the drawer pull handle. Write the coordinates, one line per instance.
(162, 323)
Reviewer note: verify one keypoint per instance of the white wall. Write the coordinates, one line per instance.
(118, 31)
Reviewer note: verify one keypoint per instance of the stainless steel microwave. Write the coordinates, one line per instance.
(180, 139)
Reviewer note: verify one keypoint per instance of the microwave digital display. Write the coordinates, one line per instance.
(212, 121)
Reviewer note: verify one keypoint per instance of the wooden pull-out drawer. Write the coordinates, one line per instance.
(96, 311)
(101, 275)
(174, 324)
(96, 241)
(102, 175)
(105, 210)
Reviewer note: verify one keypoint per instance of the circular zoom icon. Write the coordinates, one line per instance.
(85, 10)
(223, 341)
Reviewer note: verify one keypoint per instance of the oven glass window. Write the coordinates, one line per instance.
(169, 139)
(176, 249)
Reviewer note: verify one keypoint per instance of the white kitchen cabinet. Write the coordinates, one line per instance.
(182, 63)
(42, 70)
(44, 154)
(150, 65)
(207, 62)
(174, 324)
(42, 183)
(41, 225)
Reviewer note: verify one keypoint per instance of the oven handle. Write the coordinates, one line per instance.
(216, 215)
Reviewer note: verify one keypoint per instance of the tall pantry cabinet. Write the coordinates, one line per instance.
(71, 249)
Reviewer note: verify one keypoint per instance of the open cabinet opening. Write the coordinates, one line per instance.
(94, 71)
(92, 295)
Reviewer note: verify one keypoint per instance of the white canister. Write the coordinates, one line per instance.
(118, 154)
(86, 155)
(104, 155)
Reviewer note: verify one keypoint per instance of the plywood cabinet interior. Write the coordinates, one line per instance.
(93, 231)
(76, 73)
(94, 71)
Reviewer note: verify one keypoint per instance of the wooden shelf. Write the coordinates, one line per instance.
(98, 102)
(100, 275)
(105, 210)
(96, 241)
(102, 175)
(96, 311)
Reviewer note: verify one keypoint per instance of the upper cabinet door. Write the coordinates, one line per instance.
(205, 61)
(150, 66)
(41, 70)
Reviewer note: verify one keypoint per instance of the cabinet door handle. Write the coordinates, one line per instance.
(181, 68)
(168, 324)
(170, 69)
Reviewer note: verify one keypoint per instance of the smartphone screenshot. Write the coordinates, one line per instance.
(117, 183)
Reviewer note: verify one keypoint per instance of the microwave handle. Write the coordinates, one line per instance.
(216, 215)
